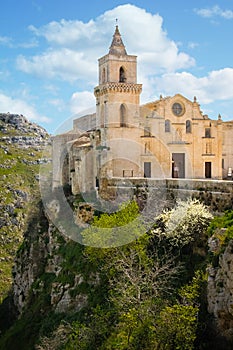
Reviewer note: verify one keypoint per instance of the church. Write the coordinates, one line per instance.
(162, 139)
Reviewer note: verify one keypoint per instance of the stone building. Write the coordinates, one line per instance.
(167, 138)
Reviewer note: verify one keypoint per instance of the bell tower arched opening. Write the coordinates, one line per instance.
(122, 75)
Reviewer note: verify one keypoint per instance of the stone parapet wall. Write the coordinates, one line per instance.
(217, 194)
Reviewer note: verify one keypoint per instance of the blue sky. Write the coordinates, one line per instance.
(49, 53)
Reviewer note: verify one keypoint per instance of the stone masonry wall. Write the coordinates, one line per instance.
(216, 194)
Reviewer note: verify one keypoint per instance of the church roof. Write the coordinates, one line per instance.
(117, 47)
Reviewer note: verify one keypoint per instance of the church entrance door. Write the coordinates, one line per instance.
(208, 170)
(178, 165)
(147, 169)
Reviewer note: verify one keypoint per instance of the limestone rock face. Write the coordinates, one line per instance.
(29, 263)
(62, 300)
(22, 145)
(24, 129)
(39, 269)
(220, 292)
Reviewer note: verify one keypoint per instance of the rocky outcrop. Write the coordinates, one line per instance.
(21, 146)
(61, 299)
(220, 290)
(20, 123)
(39, 268)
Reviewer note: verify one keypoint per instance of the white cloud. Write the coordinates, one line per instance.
(57, 103)
(4, 75)
(7, 41)
(75, 46)
(192, 45)
(52, 89)
(17, 106)
(81, 101)
(4, 40)
(28, 45)
(214, 86)
(214, 11)
(63, 64)
(67, 33)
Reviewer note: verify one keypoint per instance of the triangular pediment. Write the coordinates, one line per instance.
(182, 98)
(170, 99)
(175, 106)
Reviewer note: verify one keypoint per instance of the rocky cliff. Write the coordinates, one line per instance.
(42, 264)
(52, 283)
(21, 146)
(220, 286)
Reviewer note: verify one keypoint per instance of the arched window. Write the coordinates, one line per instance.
(122, 116)
(122, 76)
(188, 127)
(167, 126)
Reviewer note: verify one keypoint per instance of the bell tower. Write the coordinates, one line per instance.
(118, 94)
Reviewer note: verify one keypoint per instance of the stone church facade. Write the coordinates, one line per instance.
(167, 138)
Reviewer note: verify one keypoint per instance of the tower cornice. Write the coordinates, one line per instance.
(117, 87)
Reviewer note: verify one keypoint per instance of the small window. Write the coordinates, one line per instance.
(147, 147)
(102, 117)
(167, 126)
(188, 127)
(123, 116)
(147, 131)
(208, 133)
(103, 76)
(222, 163)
